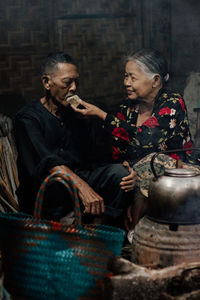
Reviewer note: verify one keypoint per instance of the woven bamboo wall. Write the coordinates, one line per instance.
(97, 33)
(99, 44)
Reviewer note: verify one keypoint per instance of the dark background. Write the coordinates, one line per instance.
(98, 34)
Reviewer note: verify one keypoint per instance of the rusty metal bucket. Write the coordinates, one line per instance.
(162, 245)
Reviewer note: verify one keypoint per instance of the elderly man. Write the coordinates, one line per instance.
(50, 136)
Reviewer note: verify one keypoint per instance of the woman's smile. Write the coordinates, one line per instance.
(129, 92)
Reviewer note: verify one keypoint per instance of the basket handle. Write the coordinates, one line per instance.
(68, 183)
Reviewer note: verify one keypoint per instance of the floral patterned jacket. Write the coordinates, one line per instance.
(166, 129)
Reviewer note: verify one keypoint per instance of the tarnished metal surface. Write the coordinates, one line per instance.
(175, 197)
(164, 245)
(173, 191)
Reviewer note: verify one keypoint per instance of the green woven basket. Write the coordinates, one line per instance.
(48, 260)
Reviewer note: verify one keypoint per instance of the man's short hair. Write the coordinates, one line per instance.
(53, 59)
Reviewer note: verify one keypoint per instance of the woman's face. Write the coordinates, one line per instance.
(138, 85)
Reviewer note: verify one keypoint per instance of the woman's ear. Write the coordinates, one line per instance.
(156, 81)
(46, 81)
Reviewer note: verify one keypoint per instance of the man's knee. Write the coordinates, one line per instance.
(118, 171)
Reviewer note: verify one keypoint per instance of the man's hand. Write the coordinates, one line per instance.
(89, 110)
(92, 201)
(60, 168)
(128, 182)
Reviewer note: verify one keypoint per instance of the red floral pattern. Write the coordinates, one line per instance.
(174, 155)
(134, 143)
(120, 116)
(115, 153)
(151, 122)
(165, 111)
(121, 133)
(188, 145)
(182, 104)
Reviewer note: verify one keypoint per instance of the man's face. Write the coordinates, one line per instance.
(63, 82)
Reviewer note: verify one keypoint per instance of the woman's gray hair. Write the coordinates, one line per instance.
(151, 62)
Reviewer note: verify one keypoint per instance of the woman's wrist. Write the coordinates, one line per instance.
(101, 114)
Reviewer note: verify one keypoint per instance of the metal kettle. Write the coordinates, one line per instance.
(175, 196)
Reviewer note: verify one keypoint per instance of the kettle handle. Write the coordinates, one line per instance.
(165, 152)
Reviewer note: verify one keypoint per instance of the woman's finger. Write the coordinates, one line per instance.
(130, 181)
(128, 188)
(126, 164)
(86, 104)
(128, 185)
(132, 175)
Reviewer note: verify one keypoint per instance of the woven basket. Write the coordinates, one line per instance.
(49, 260)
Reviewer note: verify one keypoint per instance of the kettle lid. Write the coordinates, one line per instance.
(179, 172)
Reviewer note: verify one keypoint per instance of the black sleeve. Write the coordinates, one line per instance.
(35, 158)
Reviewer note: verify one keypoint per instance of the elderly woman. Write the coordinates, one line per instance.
(149, 120)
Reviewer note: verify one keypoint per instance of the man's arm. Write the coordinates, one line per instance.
(38, 161)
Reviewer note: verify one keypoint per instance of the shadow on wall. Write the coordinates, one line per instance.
(192, 99)
(10, 103)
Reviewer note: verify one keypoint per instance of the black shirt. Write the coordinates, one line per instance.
(45, 141)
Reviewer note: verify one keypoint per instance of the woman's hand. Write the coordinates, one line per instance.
(90, 110)
(128, 182)
(92, 201)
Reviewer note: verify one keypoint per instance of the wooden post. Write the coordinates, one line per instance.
(131, 281)
(197, 136)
